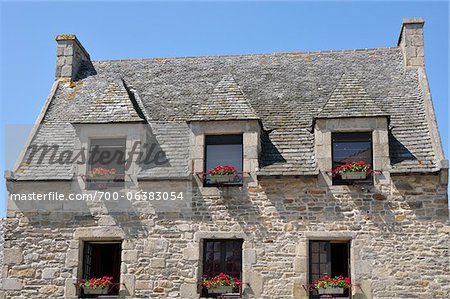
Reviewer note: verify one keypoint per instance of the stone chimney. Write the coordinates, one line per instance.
(411, 42)
(70, 55)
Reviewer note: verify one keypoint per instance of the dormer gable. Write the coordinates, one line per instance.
(350, 99)
(226, 102)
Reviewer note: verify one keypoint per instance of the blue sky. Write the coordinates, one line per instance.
(119, 30)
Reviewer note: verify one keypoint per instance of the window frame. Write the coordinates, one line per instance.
(87, 265)
(205, 160)
(223, 256)
(328, 242)
(336, 181)
(92, 184)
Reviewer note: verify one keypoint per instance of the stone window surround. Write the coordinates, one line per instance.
(380, 144)
(74, 259)
(194, 251)
(250, 130)
(301, 262)
(131, 132)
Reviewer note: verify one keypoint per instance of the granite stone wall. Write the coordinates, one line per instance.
(2, 241)
(399, 240)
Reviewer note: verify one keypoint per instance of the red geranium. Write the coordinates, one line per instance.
(222, 170)
(219, 281)
(100, 171)
(336, 282)
(360, 166)
(96, 283)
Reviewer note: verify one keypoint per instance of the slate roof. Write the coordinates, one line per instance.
(284, 90)
(171, 139)
(349, 99)
(226, 102)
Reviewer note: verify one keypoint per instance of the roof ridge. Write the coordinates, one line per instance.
(251, 54)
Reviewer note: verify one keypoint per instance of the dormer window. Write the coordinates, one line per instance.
(106, 167)
(224, 150)
(351, 148)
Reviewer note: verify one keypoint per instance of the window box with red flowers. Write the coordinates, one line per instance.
(95, 286)
(102, 174)
(353, 171)
(330, 286)
(220, 284)
(222, 174)
(101, 178)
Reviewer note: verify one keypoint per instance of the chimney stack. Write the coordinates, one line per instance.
(411, 42)
(70, 56)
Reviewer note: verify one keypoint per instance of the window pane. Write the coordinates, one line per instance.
(315, 257)
(351, 147)
(224, 154)
(315, 246)
(315, 269)
(223, 256)
(108, 153)
(345, 152)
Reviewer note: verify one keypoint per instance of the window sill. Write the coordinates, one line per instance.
(353, 183)
(99, 186)
(222, 185)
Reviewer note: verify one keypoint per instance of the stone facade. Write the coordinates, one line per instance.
(399, 240)
(2, 241)
(398, 227)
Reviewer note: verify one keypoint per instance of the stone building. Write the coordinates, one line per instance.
(284, 121)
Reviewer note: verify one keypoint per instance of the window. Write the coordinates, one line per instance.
(350, 147)
(224, 150)
(106, 165)
(330, 258)
(102, 259)
(222, 256)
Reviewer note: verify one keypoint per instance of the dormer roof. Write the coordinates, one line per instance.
(226, 102)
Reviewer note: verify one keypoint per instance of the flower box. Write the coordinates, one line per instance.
(95, 286)
(101, 174)
(103, 178)
(221, 290)
(220, 284)
(95, 291)
(217, 179)
(352, 170)
(329, 286)
(331, 291)
(359, 175)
